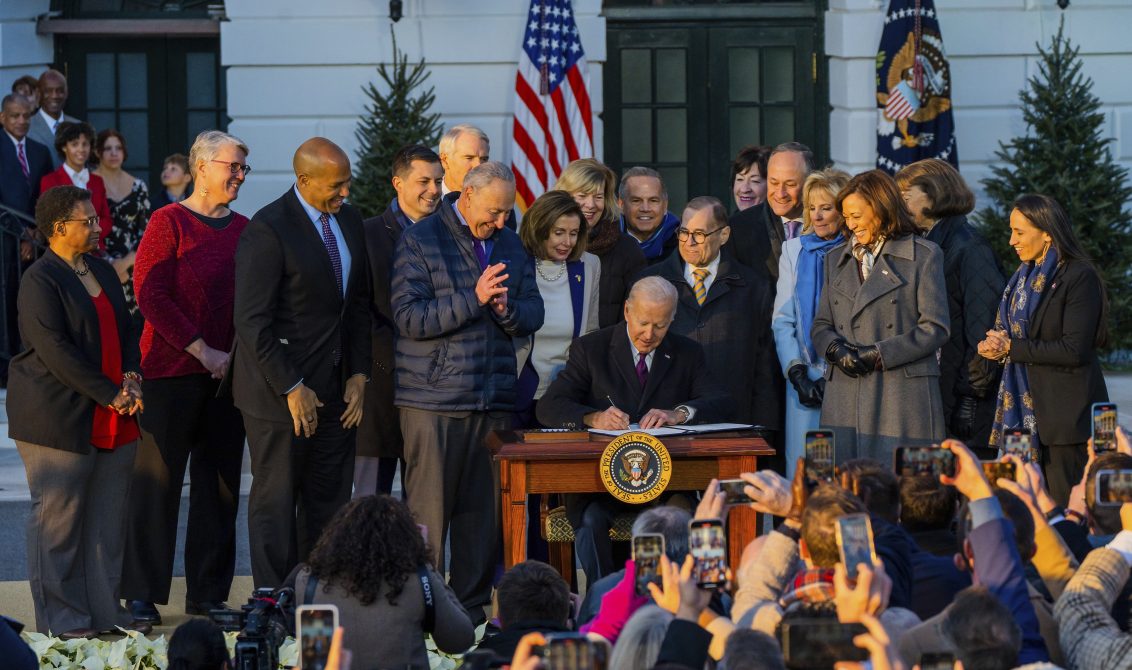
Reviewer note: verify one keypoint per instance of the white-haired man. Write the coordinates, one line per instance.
(463, 148)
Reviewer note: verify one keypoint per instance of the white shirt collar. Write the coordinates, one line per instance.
(50, 121)
(637, 354)
(712, 268)
(80, 178)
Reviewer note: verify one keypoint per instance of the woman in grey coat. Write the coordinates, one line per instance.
(883, 316)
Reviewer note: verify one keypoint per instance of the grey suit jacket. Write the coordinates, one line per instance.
(39, 132)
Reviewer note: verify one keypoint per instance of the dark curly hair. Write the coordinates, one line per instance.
(69, 131)
(370, 541)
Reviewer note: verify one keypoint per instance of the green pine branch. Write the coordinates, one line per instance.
(1065, 155)
(397, 113)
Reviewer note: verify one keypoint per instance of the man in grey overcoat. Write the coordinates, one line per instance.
(901, 311)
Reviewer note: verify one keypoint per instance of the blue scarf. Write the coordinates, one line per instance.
(808, 285)
(1020, 300)
(654, 246)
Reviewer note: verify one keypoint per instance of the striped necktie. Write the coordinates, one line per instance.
(698, 287)
(23, 159)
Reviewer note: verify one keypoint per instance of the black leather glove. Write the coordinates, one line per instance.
(963, 417)
(809, 394)
(844, 356)
(870, 357)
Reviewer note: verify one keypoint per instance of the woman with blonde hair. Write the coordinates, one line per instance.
(800, 278)
(593, 186)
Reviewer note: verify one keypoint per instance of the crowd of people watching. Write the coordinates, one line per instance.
(348, 349)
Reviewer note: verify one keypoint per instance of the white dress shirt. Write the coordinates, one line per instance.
(51, 123)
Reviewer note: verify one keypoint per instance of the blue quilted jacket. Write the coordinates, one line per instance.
(452, 354)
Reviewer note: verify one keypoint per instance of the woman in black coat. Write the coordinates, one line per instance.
(939, 201)
(72, 396)
(1050, 323)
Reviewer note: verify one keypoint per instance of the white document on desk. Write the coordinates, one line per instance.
(675, 430)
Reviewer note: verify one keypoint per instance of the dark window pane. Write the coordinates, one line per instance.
(636, 75)
(200, 73)
(101, 121)
(198, 121)
(132, 81)
(778, 74)
(135, 127)
(671, 75)
(676, 181)
(779, 124)
(744, 128)
(636, 136)
(99, 81)
(743, 74)
(672, 135)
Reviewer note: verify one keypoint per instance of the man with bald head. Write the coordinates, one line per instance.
(463, 290)
(757, 233)
(52, 100)
(302, 356)
(636, 372)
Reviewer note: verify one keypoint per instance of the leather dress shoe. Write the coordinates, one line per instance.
(79, 634)
(141, 610)
(204, 607)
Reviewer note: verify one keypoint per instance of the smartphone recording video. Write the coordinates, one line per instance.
(647, 550)
(1114, 487)
(733, 493)
(708, 546)
(819, 453)
(995, 470)
(923, 462)
(316, 625)
(1104, 426)
(813, 643)
(855, 542)
(1020, 443)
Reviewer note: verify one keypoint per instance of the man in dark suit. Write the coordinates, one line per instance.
(463, 291)
(462, 148)
(302, 356)
(417, 176)
(635, 372)
(23, 162)
(757, 233)
(643, 199)
(44, 123)
(725, 306)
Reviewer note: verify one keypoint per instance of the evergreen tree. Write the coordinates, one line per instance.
(396, 115)
(1064, 155)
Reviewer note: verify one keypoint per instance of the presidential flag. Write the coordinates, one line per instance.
(553, 122)
(913, 88)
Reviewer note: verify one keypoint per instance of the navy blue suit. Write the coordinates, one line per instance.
(16, 190)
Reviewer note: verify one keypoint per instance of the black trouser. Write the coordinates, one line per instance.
(184, 418)
(1063, 466)
(298, 484)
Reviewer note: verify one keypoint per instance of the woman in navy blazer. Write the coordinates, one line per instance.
(72, 396)
(1051, 323)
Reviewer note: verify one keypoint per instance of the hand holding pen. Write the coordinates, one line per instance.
(610, 419)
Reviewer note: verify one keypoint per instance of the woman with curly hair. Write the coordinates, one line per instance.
(372, 562)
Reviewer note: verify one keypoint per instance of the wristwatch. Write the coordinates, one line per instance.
(689, 412)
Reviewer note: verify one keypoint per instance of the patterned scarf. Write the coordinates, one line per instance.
(1020, 300)
(603, 236)
(811, 586)
(866, 255)
(808, 286)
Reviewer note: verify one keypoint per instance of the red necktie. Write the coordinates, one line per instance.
(23, 159)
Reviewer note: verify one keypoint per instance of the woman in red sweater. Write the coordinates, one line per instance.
(184, 280)
(73, 142)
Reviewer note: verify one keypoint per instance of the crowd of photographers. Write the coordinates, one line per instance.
(957, 570)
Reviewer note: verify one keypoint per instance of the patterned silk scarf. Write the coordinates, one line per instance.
(1020, 300)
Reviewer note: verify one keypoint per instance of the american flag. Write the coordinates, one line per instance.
(553, 120)
(902, 102)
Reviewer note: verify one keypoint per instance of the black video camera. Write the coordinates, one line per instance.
(263, 623)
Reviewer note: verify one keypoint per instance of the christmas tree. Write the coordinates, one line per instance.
(397, 114)
(1064, 155)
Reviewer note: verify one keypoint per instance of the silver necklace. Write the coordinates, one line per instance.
(561, 271)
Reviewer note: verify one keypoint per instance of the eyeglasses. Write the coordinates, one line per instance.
(92, 222)
(699, 236)
(235, 168)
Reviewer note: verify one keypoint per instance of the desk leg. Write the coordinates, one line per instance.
(513, 491)
(742, 521)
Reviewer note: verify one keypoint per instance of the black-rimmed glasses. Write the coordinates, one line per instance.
(235, 168)
(699, 236)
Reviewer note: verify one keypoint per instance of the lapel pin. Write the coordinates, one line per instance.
(578, 278)
(667, 356)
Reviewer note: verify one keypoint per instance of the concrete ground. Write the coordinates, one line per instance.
(15, 595)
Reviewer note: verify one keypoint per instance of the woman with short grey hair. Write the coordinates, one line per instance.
(185, 277)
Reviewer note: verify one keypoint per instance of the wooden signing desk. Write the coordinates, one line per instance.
(572, 467)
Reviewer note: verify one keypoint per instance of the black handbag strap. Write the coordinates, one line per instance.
(429, 602)
(312, 586)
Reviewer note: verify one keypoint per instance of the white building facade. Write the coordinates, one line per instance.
(678, 87)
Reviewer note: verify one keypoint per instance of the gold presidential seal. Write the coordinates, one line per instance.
(635, 468)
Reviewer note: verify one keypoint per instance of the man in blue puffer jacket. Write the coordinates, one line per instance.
(462, 290)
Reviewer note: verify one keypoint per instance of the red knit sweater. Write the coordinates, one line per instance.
(185, 282)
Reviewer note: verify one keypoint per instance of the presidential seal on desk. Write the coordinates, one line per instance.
(635, 468)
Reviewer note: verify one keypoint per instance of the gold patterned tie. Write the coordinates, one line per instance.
(698, 288)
